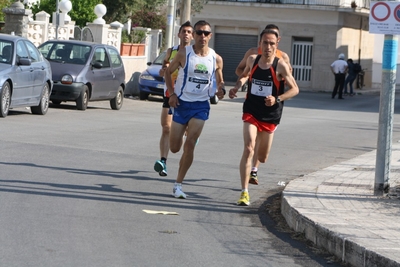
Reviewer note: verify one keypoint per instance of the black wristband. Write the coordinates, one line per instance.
(223, 90)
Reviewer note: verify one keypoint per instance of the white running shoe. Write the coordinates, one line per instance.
(178, 193)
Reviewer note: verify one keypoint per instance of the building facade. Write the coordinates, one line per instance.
(313, 34)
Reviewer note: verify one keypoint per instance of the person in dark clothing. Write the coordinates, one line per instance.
(339, 69)
(350, 77)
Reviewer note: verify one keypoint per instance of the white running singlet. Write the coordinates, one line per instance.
(195, 79)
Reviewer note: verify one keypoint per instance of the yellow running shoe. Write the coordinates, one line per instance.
(244, 199)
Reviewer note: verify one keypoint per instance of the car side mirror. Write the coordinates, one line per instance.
(148, 63)
(24, 61)
(97, 65)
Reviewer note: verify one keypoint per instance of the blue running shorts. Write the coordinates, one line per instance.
(188, 110)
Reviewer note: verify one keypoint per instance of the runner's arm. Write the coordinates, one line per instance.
(243, 77)
(242, 65)
(165, 62)
(178, 61)
(284, 72)
(286, 58)
(219, 78)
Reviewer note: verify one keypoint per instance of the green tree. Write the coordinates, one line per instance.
(122, 10)
(4, 4)
(149, 19)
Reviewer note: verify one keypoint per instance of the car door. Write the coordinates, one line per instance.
(102, 79)
(117, 69)
(22, 85)
(39, 72)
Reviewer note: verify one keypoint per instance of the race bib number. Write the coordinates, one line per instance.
(261, 88)
(197, 85)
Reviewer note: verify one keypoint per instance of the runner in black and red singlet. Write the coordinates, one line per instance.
(262, 109)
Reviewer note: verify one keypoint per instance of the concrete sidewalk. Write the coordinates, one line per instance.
(336, 209)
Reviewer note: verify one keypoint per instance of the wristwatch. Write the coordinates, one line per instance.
(278, 100)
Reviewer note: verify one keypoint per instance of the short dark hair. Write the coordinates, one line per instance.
(272, 27)
(202, 23)
(186, 24)
(268, 31)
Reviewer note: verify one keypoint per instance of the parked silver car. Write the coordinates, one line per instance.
(85, 71)
(25, 76)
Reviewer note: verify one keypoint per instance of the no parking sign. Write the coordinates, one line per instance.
(384, 17)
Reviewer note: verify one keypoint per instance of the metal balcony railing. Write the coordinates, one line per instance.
(334, 3)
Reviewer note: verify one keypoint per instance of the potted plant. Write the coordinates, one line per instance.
(353, 4)
(133, 44)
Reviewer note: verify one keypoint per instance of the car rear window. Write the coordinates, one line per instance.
(6, 49)
(66, 52)
(116, 60)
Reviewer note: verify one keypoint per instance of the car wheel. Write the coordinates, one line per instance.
(118, 100)
(143, 95)
(83, 99)
(43, 106)
(214, 99)
(56, 102)
(5, 100)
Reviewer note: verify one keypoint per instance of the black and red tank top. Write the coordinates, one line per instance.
(262, 83)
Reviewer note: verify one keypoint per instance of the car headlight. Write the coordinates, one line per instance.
(147, 77)
(66, 79)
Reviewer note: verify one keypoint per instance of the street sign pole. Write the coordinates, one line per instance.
(386, 110)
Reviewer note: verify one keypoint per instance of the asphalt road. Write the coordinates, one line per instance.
(74, 184)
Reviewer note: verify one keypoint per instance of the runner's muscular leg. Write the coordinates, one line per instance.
(249, 140)
(256, 162)
(194, 129)
(175, 136)
(166, 127)
(265, 143)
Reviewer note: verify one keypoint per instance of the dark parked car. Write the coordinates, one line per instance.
(25, 76)
(85, 71)
(151, 83)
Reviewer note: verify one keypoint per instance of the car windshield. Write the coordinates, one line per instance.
(159, 60)
(6, 48)
(66, 52)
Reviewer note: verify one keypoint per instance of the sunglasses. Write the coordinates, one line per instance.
(199, 32)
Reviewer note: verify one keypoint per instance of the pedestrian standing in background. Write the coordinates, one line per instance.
(351, 76)
(339, 69)
(189, 98)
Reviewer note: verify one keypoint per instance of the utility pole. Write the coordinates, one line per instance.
(170, 22)
(386, 110)
(57, 18)
(185, 10)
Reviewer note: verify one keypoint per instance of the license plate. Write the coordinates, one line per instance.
(160, 85)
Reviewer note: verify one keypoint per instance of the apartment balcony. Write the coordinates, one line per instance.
(331, 3)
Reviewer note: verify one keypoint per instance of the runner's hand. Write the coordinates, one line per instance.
(232, 92)
(173, 101)
(270, 101)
